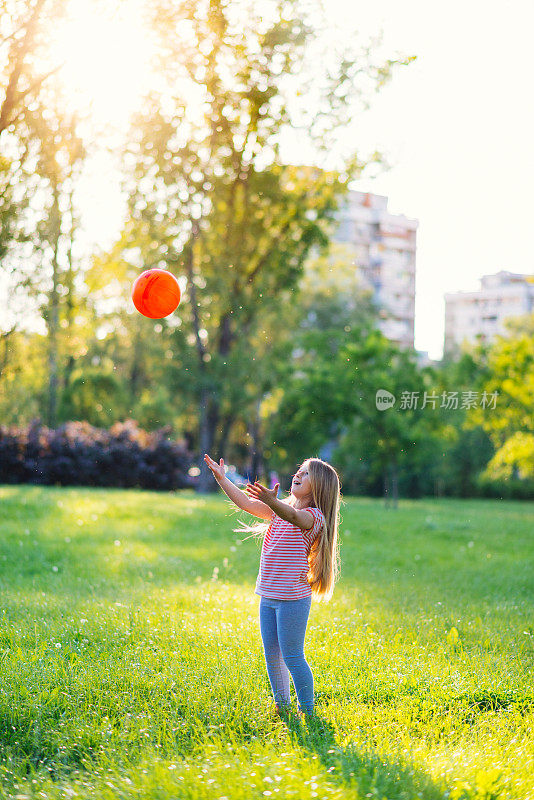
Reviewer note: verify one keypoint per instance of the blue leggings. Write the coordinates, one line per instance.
(283, 627)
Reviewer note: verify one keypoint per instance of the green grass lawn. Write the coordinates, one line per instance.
(132, 665)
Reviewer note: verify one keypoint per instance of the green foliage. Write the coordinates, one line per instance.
(152, 408)
(27, 97)
(514, 459)
(9, 208)
(503, 488)
(465, 452)
(510, 424)
(23, 379)
(212, 198)
(340, 362)
(273, 353)
(94, 395)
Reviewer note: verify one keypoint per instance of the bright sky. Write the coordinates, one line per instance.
(457, 126)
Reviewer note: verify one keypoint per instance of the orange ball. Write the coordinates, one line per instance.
(156, 293)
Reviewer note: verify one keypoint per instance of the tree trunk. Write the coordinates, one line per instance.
(53, 314)
(69, 284)
(395, 484)
(209, 403)
(438, 487)
(136, 372)
(5, 352)
(207, 425)
(386, 486)
(222, 443)
(256, 466)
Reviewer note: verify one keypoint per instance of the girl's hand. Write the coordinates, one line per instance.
(259, 492)
(217, 469)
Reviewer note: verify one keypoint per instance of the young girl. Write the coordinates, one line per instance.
(299, 559)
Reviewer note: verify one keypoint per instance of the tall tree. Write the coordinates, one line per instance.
(210, 188)
(60, 155)
(23, 31)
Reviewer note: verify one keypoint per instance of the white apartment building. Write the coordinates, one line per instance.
(383, 247)
(479, 315)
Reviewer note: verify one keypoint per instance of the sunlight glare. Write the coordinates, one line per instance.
(106, 52)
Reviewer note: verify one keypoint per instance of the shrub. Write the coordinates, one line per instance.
(78, 454)
(505, 488)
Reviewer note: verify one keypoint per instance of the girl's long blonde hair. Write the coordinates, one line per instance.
(323, 559)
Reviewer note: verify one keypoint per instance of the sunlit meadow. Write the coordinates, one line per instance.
(132, 664)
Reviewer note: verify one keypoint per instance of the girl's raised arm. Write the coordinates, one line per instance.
(243, 501)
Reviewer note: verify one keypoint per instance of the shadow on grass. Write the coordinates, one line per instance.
(358, 767)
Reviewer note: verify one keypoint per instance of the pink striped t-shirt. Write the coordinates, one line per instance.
(284, 558)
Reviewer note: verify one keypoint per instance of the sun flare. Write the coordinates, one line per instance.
(105, 51)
